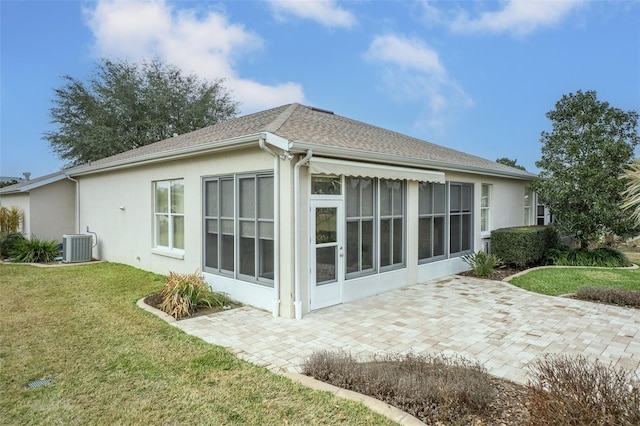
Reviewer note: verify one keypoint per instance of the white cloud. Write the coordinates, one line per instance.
(325, 12)
(413, 72)
(519, 17)
(205, 44)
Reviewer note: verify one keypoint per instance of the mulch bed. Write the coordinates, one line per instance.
(155, 299)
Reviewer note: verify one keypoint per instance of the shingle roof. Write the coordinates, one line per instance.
(306, 126)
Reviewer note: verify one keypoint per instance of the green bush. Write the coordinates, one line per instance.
(601, 256)
(8, 242)
(523, 245)
(183, 294)
(567, 390)
(481, 263)
(34, 250)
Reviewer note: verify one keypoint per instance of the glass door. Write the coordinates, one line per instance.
(327, 253)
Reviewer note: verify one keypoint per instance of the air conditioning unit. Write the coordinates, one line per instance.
(76, 248)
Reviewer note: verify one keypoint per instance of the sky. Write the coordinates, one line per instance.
(475, 76)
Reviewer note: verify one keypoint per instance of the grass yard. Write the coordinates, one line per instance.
(113, 363)
(557, 281)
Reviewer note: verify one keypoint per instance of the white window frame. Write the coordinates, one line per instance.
(431, 216)
(171, 248)
(485, 208)
(528, 202)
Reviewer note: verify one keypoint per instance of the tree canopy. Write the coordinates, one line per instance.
(509, 162)
(127, 105)
(590, 145)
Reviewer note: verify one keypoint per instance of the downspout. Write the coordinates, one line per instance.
(77, 202)
(276, 227)
(296, 230)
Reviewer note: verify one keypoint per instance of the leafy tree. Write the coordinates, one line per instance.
(8, 183)
(583, 156)
(631, 194)
(509, 162)
(125, 105)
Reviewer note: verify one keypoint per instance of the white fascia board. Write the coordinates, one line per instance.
(354, 154)
(275, 140)
(53, 179)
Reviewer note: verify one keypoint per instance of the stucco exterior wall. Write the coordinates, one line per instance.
(53, 210)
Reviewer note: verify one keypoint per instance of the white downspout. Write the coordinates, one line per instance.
(77, 202)
(276, 227)
(296, 230)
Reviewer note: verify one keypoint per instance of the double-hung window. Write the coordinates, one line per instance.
(360, 200)
(460, 218)
(392, 193)
(485, 208)
(239, 227)
(528, 196)
(431, 220)
(169, 215)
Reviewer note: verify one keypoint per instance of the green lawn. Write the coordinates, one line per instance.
(113, 363)
(557, 281)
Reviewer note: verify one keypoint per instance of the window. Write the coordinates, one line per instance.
(360, 245)
(169, 214)
(326, 185)
(540, 215)
(460, 218)
(431, 220)
(528, 195)
(485, 205)
(391, 223)
(251, 248)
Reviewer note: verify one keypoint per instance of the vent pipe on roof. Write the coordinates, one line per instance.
(26, 175)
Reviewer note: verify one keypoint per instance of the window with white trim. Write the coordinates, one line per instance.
(528, 195)
(169, 215)
(239, 227)
(361, 241)
(392, 193)
(485, 208)
(432, 210)
(460, 218)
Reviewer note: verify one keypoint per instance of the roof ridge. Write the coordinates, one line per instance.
(274, 125)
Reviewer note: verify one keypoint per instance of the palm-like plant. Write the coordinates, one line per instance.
(632, 193)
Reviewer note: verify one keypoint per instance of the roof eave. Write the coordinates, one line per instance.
(157, 157)
(404, 161)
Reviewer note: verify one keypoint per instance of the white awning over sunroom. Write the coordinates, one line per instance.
(328, 166)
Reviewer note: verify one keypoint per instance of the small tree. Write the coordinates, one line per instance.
(583, 156)
(509, 162)
(125, 106)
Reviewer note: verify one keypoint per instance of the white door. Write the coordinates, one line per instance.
(327, 254)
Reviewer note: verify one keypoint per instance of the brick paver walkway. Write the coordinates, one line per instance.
(495, 323)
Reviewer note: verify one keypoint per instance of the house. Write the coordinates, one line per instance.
(296, 208)
(48, 204)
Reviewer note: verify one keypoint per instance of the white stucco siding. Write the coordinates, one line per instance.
(21, 201)
(118, 207)
(53, 210)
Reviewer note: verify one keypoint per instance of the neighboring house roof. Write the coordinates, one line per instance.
(303, 128)
(28, 185)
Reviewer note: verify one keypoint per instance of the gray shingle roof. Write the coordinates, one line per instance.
(305, 126)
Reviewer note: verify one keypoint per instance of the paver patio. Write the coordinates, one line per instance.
(493, 322)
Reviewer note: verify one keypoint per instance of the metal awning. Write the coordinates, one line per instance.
(328, 166)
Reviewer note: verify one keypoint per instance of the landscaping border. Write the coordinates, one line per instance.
(510, 277)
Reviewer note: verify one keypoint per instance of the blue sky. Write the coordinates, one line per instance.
(474, 76)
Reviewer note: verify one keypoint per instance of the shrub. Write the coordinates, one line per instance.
(10, 219)
(481, 263)
(8, 242)
(183, 294)
(524, 245)
(614, 296)
(601, 256)
(34, 250)
(434, 388)
(567, 390)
